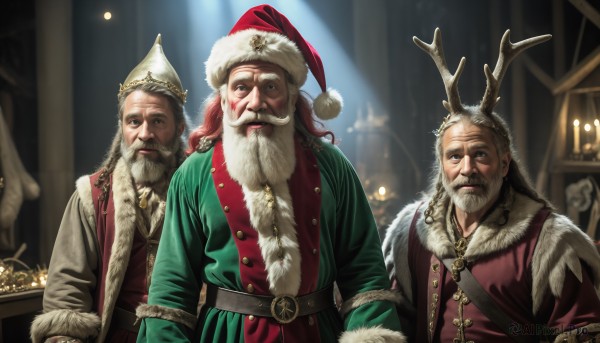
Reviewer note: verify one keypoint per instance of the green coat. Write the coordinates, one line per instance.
(198, 246)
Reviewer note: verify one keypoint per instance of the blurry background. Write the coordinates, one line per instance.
(61, 63)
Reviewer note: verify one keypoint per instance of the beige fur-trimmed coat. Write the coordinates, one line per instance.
(76, 261)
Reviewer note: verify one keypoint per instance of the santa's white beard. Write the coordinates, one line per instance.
(472, 202)
(146, 170)
(257, 159)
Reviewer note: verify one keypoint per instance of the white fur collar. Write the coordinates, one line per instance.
(126, 215)
(124, 197)
(489, 237)
(283, 274)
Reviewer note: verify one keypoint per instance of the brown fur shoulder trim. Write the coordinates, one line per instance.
(370, 296)
(166, 313)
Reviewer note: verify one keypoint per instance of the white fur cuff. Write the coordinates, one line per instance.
(65, 323)
(372, 335)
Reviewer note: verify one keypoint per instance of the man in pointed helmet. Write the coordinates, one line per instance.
(483, 257)
(105, 248)
(265, 212)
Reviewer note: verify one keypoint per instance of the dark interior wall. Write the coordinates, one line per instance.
(18, 99)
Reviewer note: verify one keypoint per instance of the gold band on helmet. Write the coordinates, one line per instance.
(156, 69)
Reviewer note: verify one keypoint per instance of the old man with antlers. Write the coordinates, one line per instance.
(483, 257)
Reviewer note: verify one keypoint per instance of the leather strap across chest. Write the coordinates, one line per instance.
(468, 284)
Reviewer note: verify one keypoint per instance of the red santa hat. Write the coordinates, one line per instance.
(264, 34)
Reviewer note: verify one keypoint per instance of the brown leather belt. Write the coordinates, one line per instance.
(284, 309)
(125, 320)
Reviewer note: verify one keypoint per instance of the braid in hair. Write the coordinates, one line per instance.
(439, 191)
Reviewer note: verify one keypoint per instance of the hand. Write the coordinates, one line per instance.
(62, 339)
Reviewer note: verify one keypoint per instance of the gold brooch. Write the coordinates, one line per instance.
(258, 42)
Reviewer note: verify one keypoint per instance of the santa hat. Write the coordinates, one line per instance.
(264, 34)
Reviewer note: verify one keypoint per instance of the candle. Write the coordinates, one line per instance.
(597, 125)
(587, 128)
(576, 148)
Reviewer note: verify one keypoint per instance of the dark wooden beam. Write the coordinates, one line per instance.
(587, 10)
(578, 73)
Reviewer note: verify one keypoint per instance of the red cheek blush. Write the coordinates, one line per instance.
(233, 105)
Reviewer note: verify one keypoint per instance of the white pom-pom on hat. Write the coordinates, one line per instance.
(328, 104)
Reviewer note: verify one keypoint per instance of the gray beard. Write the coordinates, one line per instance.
(257, 159)
(145, 170)
(472, 202)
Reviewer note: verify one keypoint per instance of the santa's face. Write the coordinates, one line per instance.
(150, 135)
(258, 125)
(472, 167)
(257, 97)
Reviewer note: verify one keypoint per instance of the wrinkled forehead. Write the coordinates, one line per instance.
(244, 69)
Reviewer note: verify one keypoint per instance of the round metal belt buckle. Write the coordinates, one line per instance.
(285, 309)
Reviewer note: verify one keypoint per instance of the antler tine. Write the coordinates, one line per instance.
(436, 51)
(508, 52)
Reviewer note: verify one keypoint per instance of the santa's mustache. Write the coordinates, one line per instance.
(257, 117)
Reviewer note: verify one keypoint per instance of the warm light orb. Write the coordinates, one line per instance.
(596, 122)
(587, 127)
(107, 15)
(381, 191)
(576, 122)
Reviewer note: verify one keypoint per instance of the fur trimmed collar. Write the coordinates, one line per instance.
(127, 217)
(489, 237)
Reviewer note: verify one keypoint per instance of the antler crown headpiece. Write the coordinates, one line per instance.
(508, 51)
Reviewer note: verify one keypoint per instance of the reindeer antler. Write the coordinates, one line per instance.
(436, 51)
(508, 51)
